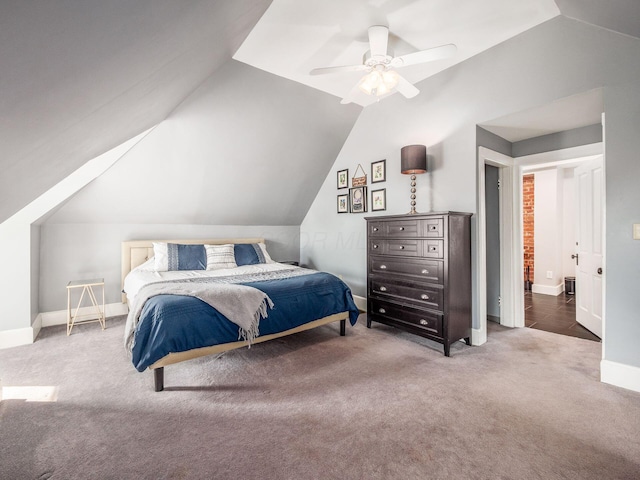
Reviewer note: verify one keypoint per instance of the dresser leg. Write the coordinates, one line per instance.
(446, 350)
(368, 322)
(343, 328)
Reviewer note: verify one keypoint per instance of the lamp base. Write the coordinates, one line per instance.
(413, 196)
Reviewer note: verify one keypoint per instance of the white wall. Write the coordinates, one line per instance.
(548, 241)
(568, 223)
(559, 58)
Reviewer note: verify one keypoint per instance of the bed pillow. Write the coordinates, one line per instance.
(251, 254)
(220, 256)
(174, 256)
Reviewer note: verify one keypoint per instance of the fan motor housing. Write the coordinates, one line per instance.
(370, 61)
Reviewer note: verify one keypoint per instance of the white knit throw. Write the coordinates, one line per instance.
(242, 305)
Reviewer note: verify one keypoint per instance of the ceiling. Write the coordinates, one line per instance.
(80, 77)
(564, 114)
(293, 37)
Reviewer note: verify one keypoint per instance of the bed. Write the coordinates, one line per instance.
(234, 297)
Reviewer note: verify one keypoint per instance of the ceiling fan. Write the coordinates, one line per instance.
(380, 64)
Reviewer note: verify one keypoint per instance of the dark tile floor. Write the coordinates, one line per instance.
(555, 314)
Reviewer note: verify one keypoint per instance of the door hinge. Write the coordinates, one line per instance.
(499, 300)
(498, 184)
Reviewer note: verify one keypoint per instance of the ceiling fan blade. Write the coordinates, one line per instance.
(407, 89)
(345, 68)
(351, 95)
(429, 55)
(378, 40)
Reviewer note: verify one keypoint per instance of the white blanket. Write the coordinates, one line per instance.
(242, 305)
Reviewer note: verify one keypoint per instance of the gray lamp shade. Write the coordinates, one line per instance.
(413, 159)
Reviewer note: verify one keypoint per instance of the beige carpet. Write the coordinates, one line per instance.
(376, 404)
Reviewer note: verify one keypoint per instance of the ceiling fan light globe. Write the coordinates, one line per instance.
(379, 82)
(370, 83)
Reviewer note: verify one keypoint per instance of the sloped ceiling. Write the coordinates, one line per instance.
(79, 77)
(246, 148)
(622, 16)
(294, 37)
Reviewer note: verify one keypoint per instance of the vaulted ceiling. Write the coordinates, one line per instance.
(79, 77)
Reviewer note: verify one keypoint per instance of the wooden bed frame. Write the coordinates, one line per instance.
(137, 252)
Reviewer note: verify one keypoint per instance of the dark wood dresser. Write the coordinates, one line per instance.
(419, 274)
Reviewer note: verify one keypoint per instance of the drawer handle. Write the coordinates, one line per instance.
(433, 227)
(424, 296)
(433, 249)
(383, 267)
(401, 247)
(383, 289)
(375, 229)
(382, 310)
(401, 229)
(375, 246)
(423, 322)
(425, 271)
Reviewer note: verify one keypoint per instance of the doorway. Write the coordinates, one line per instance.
(511, 226)
(562, 241)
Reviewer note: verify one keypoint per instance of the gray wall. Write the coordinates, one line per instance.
(557, 141)
(557, 59)
(243, 156)
(81, 251)
(493, 239)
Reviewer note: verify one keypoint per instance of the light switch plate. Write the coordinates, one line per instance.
(636, 231)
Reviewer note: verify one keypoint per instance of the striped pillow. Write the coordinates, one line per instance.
(220, 256)
(251, 254)
(173, 256)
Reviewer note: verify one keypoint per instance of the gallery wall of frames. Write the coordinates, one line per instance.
(355, 198)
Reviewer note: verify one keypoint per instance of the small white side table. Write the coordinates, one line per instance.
(87, 287)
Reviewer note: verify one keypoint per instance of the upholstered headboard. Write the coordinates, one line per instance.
(137, 252)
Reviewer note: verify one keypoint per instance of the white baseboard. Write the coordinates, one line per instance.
(554, 290)
(59, 317)
(26, 336)
(478, 337)
(361, 302)
(620, 375)
(16, 337)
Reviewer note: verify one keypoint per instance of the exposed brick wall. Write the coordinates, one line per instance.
(528, 203)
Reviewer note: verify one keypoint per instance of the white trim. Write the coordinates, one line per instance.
(511, 288)
(59, 317)
(479, 335)
(560, 157)
(361, 302)
(620, 375)
(554, 290)
(16, 337)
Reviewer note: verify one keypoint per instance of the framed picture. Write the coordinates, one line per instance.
(358, 198)
(343, 178)
(343, 203)
(378, 200)
(379, 171)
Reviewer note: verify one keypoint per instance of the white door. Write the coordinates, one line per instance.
(589, 181)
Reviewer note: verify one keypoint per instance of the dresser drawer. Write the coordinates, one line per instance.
(407, 247)
(386, 287)
(431, 271)
(433, 227)
(429, 321)
(407, 228)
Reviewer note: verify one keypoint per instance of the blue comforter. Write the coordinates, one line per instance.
(177, 323)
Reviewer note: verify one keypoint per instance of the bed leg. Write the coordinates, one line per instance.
(158, 379)
(343, 328)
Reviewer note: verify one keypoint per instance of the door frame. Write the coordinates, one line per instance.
(511, 242)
